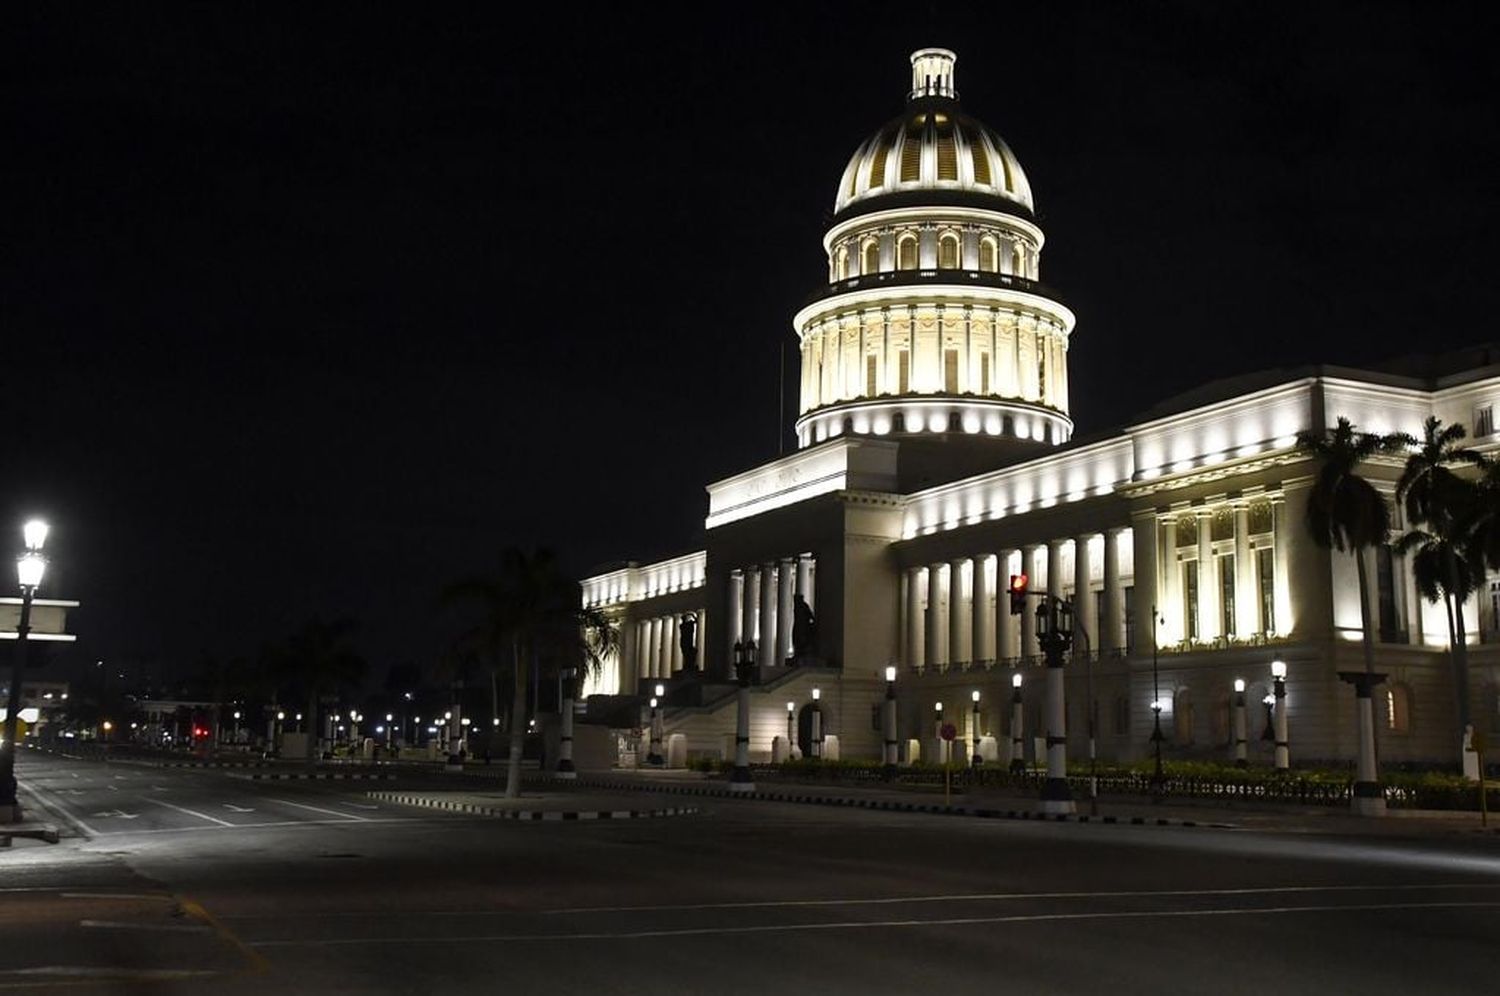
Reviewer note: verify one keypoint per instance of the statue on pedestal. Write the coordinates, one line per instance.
(804, 629)
(687, 628)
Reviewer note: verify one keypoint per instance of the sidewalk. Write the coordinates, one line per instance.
(559, 804)
(993, 803)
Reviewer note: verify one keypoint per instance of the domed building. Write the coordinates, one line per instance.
(936, 470)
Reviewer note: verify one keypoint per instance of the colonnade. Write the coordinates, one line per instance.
(656, 646)
(761, 601)
(957, 612)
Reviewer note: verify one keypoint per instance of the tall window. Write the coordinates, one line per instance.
(1041, 366)
(1265, 576)
(1398, 709)
(871, 261)
(841, 263)
(1017, 261)
(870, 376)
(987, 255)
(1484, 420)
(950, 371)
(984, 373)
(903, 369)
(1385, 594)
(1226, 594)
(948, 252)
(906, 253)
(1190, 598)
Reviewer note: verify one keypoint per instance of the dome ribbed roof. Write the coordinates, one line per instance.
(933, 146)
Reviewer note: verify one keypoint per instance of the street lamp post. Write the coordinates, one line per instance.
(941, 754)
(1055, 633)
(653, 756)
(791, 729)
(29, 570)
(1158, 780)
(1278, 692)
(236, 737)
(1017, 721)
(565, 768)
(740, 781)
(390, 730)
(816, 738)
(975, 758)
(454, 733)
(1240, 744)
(892, 756)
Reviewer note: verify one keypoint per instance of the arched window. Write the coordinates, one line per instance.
(906, 252)
(1182, 718)
(871, 257)
(841, 263)
(1017, 261)
(1398, 708)
(987, 254)
(948, 251)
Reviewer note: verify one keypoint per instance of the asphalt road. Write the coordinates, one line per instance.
(194, 879)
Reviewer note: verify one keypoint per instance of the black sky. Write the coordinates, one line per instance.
(311, 310)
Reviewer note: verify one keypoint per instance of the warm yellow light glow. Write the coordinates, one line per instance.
(1278, 669)
(890, 674)
(1239, 684)
(30, 568)
(817, 693)
(974, 695)
(1015, 680)
(791, 707)
(661, 690)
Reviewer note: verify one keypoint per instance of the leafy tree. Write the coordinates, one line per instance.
(1344, 511)
(1442, 507)
(531, 614)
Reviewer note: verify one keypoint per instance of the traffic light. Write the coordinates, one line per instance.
(1017, 594)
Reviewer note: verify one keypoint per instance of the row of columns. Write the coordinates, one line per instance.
(761, 599)
(957, 622)
(656, 649)
(1247, 617)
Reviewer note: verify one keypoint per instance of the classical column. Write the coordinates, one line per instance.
(1169, 573)
(916, 645)
(1281, 540)
(1083, 595)
(984, 616)
(1005, 623)
(674, 645)
(1029, 646)
(653, 646)
(957, 623)
(735, 615)
(1054, 568)
(767, 637)
(1245, 596)
(642, 650)
(935, 618)
(1208, 579)
(1112, 626)
(750, 616)
(784, 582)
(805, 585)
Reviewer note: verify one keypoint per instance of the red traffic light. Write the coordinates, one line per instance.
(1018, 584)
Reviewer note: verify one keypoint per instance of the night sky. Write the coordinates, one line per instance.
(311, 313)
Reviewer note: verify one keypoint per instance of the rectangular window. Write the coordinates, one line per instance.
(984, 373)
(1484, 420)
(870, 376)
(1265, 577)
(1385, 594)
(903, 367)
(950, 371)
(1190, 598)
(1226, 594)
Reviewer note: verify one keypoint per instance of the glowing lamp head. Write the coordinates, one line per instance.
(236, 714)
(974, 695)
(1269, 699)
(890, 674)
(465, 721)
(281, 715)
(1158, 705)
(29, 569)
(661, 690)
(35, 532)
(791, 707)
(653, 702)
(299, 717)
(1278, 669)
(496, 721)
(817, 693)
(389, 717)
(108, 726)
(937, 707)
(1015, 680)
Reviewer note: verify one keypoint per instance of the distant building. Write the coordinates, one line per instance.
(937, 458)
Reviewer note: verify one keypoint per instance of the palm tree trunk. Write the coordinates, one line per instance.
(1368, 638)
(517, 723)
(1460, 654)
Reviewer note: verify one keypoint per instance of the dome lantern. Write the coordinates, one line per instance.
(932, 74)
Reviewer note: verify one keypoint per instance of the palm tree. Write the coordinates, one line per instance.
(318, 657)
(1344, 511)
(1446, 560)
(530, 613)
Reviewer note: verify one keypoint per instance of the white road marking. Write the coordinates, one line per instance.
(113, 788)
(237, 809)
(326, 812)
(867, 925)
(119, 814)
(360, 805)
(994, 896)
(191, 812)
(279, 824)
(168, 928)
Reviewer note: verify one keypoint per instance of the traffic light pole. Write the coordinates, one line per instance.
(1055, 631)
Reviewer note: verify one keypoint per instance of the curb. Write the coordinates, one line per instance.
(888, 805)
(545, 815)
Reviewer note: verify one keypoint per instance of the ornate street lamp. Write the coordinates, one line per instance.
(1240, 759)
(30, 567)
(976, 759)
(740, 781)
(1158, 780)
(1278, 693)
(892, 757)
(791, 729)
(1017, 721)
(816, 739)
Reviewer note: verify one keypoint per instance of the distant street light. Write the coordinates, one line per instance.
(1278, 693)
(1240, 744)
(892, 755)
(30, 567)
(817, 724)
(977, 759)
(1017, 721)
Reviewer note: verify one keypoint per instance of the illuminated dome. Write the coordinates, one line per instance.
(933, 147)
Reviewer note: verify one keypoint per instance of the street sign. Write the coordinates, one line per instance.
(948, 731)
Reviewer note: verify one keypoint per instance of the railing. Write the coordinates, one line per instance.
(929, 275)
